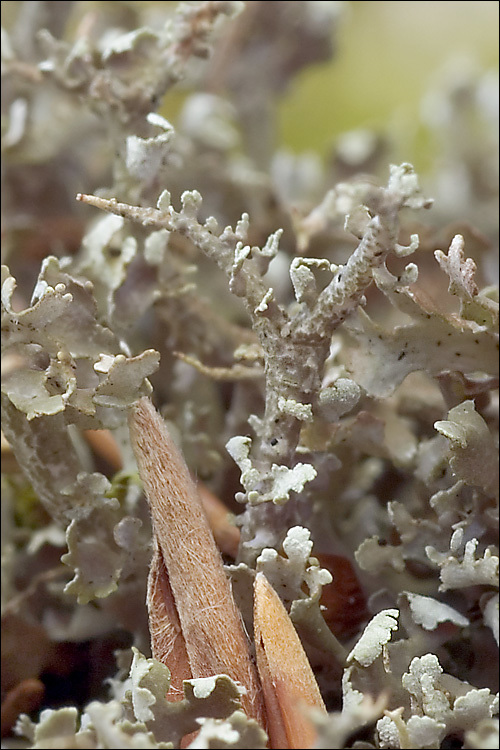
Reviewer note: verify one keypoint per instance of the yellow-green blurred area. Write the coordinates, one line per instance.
(388, 54)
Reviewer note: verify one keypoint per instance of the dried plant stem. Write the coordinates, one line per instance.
(211, 624)
(105, 446)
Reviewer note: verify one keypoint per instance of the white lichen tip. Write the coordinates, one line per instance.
(376, 635)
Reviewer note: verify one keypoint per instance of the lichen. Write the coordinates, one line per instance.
(321, 340)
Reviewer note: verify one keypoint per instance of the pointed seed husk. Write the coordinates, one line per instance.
(210, 621)
(288, 682)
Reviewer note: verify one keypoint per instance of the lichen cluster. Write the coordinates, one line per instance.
(322, 342)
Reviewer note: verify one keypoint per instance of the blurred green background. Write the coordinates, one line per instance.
(387, 56)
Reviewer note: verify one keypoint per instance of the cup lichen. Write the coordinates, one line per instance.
(323, 351)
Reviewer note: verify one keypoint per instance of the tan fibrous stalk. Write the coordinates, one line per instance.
(226, 534)
(211, 624)
(167, 640)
